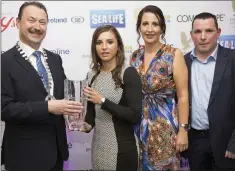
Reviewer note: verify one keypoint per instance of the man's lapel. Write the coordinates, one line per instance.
(30, 71)
(220, 66)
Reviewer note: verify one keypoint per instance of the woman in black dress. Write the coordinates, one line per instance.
(114, 103)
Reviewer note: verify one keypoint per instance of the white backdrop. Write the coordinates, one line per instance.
(72, 23)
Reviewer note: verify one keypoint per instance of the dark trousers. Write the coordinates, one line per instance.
(199, 152)
(127, 161)
(59, 164)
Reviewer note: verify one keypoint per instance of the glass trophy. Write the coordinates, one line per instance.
(73, 91)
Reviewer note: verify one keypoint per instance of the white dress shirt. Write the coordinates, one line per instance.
(202, 75)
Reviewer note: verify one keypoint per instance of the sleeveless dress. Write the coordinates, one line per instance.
(114, 145)
(159, 123)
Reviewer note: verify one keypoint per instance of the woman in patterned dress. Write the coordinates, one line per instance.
(164, 79)
(114, 103)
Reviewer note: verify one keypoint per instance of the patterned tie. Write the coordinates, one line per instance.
(41, 69)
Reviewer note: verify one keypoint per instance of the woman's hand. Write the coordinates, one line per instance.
(92, 95)
(182, 140)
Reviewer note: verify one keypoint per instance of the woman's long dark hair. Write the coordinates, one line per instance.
(120, 57)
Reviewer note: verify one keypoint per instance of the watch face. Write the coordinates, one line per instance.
(187, 126)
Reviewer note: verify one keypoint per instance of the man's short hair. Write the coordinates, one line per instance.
(206, 15)
(33, 3)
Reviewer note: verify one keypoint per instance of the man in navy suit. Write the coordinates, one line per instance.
(212, 98)
(35, 136)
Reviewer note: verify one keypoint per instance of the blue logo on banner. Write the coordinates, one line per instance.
(112, 17)
(227, 41)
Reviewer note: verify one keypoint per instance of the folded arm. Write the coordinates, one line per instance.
(133, 95)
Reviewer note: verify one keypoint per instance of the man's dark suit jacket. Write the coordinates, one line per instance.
(33, 137)
(221, 108)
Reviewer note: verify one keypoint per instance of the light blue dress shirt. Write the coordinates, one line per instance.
(202, 74)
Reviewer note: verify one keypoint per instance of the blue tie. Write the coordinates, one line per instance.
(41, 69)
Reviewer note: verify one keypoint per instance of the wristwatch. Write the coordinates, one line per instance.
(102, 101)
(186, 126)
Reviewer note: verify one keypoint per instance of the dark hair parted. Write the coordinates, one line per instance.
(158, 13)
(206, 15)
(120, 57)
(31, 3)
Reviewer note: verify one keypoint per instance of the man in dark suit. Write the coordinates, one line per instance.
(34, 137)
(212, 98)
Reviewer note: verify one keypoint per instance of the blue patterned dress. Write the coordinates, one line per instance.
(159, 123)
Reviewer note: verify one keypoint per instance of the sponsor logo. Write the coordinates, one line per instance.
(60, 51)
(220, 17)
(187, 43)
(227, 41)
(233, 5)
(112, 17)
(57, 20)
(128, 49)
(189, 18)
(7, 22)
(70, 145)
(74, 19)
(77, 19)
(232, 19)
(88, 149)
(86, 55)
(167, 18)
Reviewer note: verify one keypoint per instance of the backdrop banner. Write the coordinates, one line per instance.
(69, 34)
